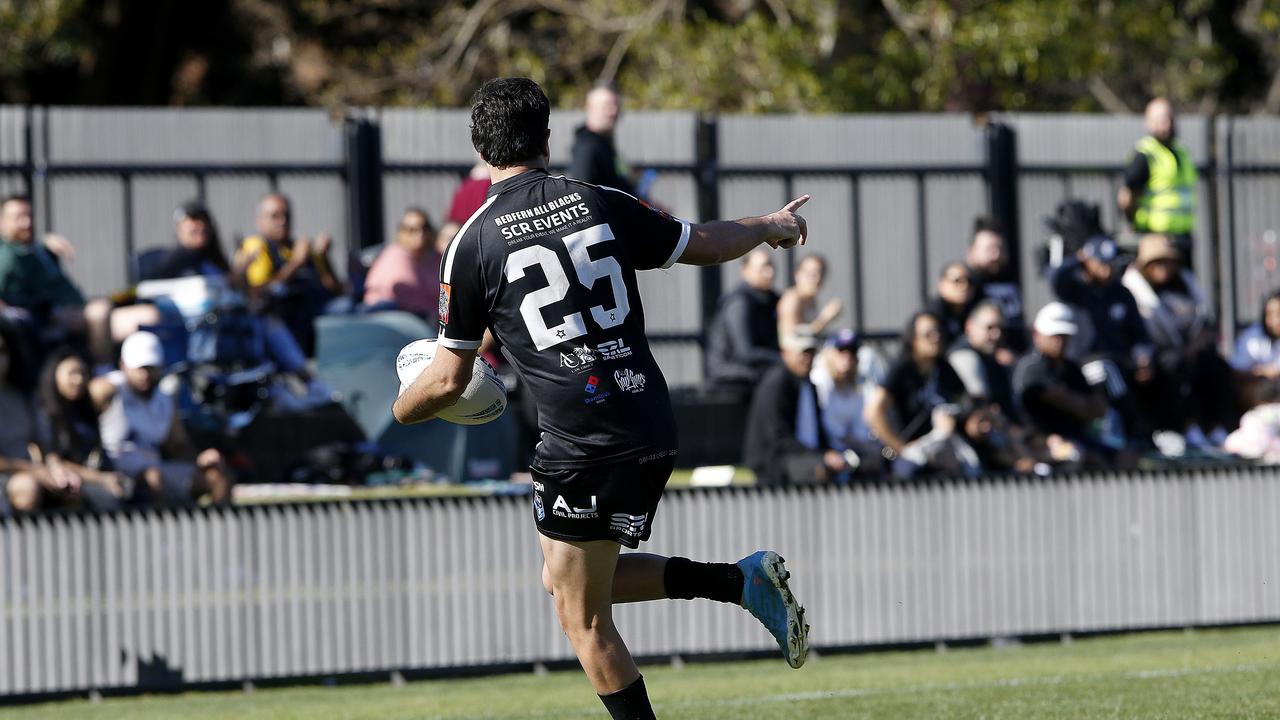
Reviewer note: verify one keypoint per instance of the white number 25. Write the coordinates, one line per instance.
(588, 272)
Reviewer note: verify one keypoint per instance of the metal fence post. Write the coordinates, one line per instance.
(707, 151)
(364, 181)
(1002, 189)
(1229, 290)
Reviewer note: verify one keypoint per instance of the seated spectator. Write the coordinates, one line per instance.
(1001, 445)
(1053, 395)
(467, 199)
(785, 441)
(1257, 356)
(1195, 390)
(954, 301)
(143, 433)
(974, 359)
(1112, 343)
(798, 307)
(198, 251)
(35, 291)
(742, 341)
(68, 432)
(21, 476)
(406, 274)
(295, 271)
(914, 412)
(844, 379)
(988, 267)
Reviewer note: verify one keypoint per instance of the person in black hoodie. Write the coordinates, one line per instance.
(594, 158)
(742, 340)
(785, 441)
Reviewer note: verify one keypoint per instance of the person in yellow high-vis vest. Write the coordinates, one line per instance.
(1159, 193)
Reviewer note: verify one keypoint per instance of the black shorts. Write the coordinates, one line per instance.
(606, 502)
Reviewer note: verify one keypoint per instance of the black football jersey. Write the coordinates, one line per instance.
(549, 265)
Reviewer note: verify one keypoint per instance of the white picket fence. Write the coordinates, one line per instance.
(141, 601)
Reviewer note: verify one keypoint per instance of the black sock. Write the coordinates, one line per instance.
(686, 580)
(629, 703)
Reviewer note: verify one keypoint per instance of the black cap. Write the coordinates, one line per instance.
(845, 339)
(1101, 247)
(193, 208)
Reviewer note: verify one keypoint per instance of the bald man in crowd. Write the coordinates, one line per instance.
(594, 157)
(294, 270)
(1159, 193)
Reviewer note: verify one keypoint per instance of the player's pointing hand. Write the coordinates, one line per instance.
(790, 229)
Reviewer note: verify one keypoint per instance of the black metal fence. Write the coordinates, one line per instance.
(360, 169)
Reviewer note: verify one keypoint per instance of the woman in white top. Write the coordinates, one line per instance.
(798, 306)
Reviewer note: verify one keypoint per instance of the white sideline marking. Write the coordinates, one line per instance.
(932, 687)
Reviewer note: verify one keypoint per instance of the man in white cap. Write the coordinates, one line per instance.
(1052, 391)
(143, 434)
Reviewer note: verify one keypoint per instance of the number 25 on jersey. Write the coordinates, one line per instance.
(588, 271)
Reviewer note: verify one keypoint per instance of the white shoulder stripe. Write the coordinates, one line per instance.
(453, 245)
(680, 245)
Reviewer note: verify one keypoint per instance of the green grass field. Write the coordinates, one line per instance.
(1200, 674)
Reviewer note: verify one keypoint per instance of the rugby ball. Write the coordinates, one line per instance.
(484, 399)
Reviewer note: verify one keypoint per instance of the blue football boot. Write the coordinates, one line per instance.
(766, 596)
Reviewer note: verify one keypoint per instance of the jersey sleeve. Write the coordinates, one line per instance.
(652, 238)
(463, 309)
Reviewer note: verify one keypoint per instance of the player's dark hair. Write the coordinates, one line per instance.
(509, 121)
(987, 223)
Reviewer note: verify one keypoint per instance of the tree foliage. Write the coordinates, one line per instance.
(713, 55)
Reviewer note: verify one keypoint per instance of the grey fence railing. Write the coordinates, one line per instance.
(894, 194)
(139, 602)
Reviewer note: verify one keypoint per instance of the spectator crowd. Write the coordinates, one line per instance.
(1121, 368)
(98, 395)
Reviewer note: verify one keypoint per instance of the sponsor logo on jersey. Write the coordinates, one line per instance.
(593, 383)
(539, 508)
(629, 525)
(561, 508)
(613, 350)
(445, 291)
(629, 380)
(578, 361)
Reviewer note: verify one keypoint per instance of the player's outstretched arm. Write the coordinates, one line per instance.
(720, 241)
(439, 386)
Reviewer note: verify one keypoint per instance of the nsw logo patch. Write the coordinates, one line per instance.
(445, 292)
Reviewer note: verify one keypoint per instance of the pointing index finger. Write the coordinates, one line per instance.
(795, 205)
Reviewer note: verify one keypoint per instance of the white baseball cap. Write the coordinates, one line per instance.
(1056, 319)
(142, 349)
